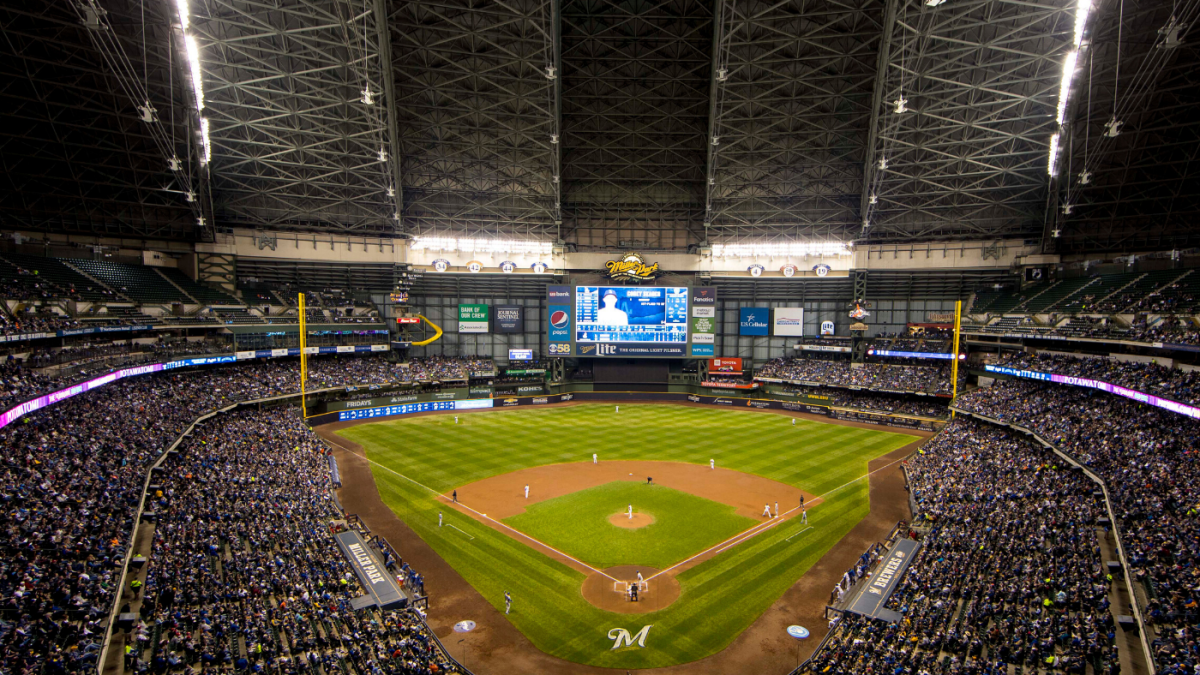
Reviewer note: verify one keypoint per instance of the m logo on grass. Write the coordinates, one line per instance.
(622, 637)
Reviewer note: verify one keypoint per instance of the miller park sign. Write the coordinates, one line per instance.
(631, 267)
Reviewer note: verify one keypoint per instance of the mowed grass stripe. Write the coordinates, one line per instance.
(720, 597)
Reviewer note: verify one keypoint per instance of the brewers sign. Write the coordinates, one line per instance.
(631, 266)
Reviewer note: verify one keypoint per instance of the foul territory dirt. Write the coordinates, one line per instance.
(496, 647)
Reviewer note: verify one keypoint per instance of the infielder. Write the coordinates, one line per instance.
(712, 464)
(526, 492)
(803, 515)
(439, 518)
(507, 602)
(767, 510)
(595, 459)
(776, 509)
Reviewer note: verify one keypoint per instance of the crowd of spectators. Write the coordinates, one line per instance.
(67, 486)
(1148, 459)
(1009, 577)
(245, 572)
(883, 403)
(1151, 378)
(927, 378)
(1170, 329)
(438, 368)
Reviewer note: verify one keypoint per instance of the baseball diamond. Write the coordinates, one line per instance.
(707, 537)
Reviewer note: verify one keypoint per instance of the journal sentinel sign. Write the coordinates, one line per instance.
(754, 321)
(1141, 397)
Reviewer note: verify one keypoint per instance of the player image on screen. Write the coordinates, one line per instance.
(625, 315)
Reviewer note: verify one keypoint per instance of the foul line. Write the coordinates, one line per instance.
(763, 527)
(481, 515)
(460, 531)
(799, 533)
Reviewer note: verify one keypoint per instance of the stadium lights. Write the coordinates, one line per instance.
(193, 54)
(207, 146)
(1064, 88)
(782, 250)
(1053, 152)
(469, 245)
(185, 18)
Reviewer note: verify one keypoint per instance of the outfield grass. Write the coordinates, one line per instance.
(720, 597)
(684, 524)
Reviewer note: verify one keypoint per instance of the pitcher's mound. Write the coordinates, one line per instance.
(638, 520)
(610, 590)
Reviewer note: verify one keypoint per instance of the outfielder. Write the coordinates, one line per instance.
(793, 421)
(618, 408)
(526, 492)
(507, 602)
(767, 510)
(456, 419)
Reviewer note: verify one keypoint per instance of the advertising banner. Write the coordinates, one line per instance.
(606, 349)
(703, 350)
(704, 296)
(705, 312)
(520, 355)
(754, 321)
(725, 365)
(559, 324)
(472, 318)
(703, 330)
(789, 321)
(510, 319)
(827, 328)
(558, 293)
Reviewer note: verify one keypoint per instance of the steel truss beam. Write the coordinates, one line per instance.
(74, 153)
(791, 116)
(1141, 192)
(968, 158)
(294, 144)
(476, 116)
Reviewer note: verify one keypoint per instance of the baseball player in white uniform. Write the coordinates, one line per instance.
(631, 511)
(507, 602)
(456, 419)
(618, 408)
(803, 515)
(767, 510)
(776, 509)
(712, 464)
(439, 518)
(793, 421)
(526, 492)
(595, 459)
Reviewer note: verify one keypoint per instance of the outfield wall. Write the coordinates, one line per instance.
(843, 414)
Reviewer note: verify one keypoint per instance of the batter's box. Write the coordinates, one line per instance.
(623, 586)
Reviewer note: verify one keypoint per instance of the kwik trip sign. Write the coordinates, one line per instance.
(631, 266)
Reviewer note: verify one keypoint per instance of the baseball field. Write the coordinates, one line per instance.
(568, 552)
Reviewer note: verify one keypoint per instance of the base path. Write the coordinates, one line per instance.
(503, 496)
(496, 647)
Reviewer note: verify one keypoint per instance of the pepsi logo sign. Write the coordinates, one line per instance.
(559, 319)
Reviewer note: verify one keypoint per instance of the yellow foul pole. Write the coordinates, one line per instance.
(303, 356)
(954, 364)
